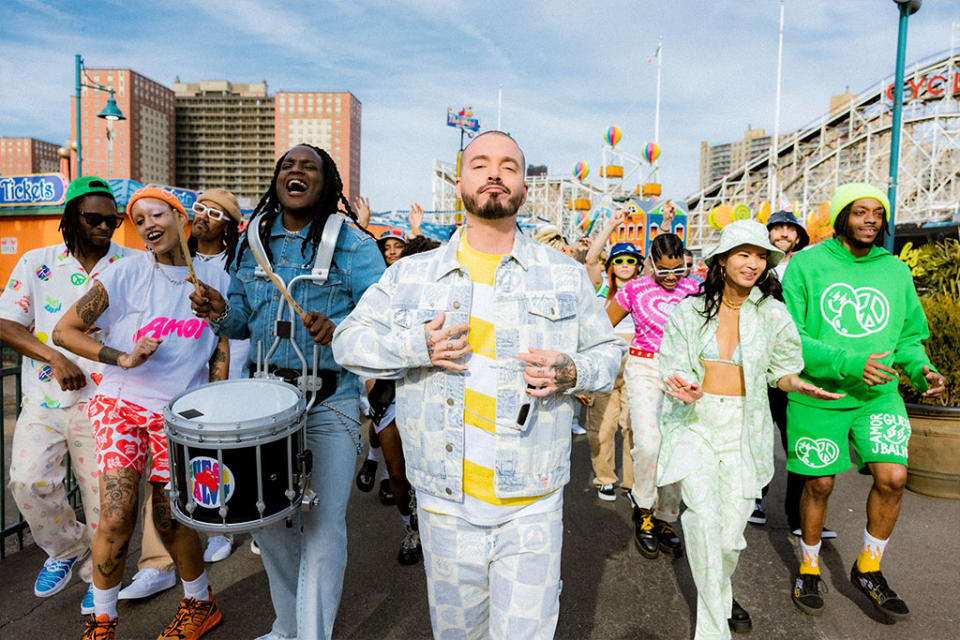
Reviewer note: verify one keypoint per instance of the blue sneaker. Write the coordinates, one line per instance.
(54, 576)
(86, 605)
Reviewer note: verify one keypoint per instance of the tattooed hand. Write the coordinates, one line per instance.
(145, 347)
(444, 345)
(548, 372)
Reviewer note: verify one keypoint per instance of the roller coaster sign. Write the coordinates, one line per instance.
(929, 87)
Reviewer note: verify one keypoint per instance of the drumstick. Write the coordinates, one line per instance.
(186, 256)
(276, 282)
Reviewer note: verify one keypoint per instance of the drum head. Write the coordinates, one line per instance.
(233, 411)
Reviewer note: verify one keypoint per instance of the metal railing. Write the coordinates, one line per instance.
(11, 365)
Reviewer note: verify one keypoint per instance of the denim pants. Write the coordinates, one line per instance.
(305, 562)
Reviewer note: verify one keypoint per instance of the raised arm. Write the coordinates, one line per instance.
(592, 261)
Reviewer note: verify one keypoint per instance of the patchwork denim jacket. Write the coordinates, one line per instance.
(254, 301)
(542, 299)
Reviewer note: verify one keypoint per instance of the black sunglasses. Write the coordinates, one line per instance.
(96, 219)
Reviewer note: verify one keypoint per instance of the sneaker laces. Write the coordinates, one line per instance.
(818, 585)
(666, 528)
(97, 628)
(646, 521)
(877, 583)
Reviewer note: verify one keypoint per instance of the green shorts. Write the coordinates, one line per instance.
(817, 438)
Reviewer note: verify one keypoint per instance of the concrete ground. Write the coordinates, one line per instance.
(610, 591)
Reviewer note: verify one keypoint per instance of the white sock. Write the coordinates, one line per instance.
(105, 601)
(384, 473)
(810, 557)
(873, 545)
(373, 453)
(196, 589)
(406, 519)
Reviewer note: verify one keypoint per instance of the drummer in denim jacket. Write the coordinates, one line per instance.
(305, 563)
(488, 338)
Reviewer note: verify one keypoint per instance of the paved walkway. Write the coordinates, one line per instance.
(610, 591)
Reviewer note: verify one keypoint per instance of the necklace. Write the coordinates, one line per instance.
(156, 266)
(732, 305)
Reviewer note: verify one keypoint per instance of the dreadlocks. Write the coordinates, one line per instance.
(331, 200)
(70, 222)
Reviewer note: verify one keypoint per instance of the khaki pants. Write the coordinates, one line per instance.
(608, 412)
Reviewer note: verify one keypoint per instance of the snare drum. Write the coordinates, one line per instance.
(238, 457)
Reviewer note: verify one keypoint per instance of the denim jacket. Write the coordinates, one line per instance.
(357, 263)
(542, 299)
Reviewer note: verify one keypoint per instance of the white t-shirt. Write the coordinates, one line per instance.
(147, 298)
(44, 284)
(239, 349)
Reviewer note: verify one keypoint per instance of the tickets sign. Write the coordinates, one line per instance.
(32, 190)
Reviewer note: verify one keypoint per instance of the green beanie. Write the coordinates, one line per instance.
(853, 191)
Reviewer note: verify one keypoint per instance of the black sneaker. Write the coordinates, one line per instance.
(806, 593)
(885, 599)
(758, 516)
(386, 495)
(644, 535)
(410, 550)
(412, 502)
(739, 619)
(607, 492)
(367, 475)
(669, 540)
(628, 494)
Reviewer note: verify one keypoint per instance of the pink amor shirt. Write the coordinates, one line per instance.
(649, 304)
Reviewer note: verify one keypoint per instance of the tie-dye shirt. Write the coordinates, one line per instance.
(650, 304)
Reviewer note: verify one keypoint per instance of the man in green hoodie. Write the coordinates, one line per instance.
(858, 314)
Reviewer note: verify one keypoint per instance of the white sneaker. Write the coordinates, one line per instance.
(218, 548)
(576, 429)
(147, 582)
(273, 636)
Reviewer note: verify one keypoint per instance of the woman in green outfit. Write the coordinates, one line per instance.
(720, 350)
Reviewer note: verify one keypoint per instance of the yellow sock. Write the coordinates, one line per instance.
(870, 553)
(809, 558)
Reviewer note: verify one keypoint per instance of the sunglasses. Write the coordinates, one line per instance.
(210, 212)
(96, 219)
(663, 273)
(625, 260)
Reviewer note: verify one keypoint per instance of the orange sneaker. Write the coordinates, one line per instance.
(194, 618)
(100, 627)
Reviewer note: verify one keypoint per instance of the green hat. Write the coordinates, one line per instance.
(741, 232)
(85, 186)
(853, 191)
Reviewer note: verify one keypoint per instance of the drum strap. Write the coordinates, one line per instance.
(325, 251)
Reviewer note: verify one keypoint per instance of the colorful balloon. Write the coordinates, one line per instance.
(651, 152)
(612, 136)
(581, 170)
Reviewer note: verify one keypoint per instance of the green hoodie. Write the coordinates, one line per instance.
(847, 308)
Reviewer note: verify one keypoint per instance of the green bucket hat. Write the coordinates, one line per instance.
(741, 232)
(88, 185)
(853, 191)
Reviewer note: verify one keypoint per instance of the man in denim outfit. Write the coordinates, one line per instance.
(488, 338)
(305, 563)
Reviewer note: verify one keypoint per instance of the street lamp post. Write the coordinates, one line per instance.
(906, 7)
(110, 112)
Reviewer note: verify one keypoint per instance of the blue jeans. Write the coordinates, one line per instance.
(305, 562)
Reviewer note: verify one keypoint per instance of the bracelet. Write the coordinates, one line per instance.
(223, 314)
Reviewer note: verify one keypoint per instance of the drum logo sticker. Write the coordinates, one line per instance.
(817, 453)
(854, 313)
(204, 479)
(889, 434)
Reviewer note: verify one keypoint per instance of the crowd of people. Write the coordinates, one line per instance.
(466, 365)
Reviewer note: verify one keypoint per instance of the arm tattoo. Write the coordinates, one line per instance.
(93, 303)
(108, 355)
(566, 373)
(219, 369)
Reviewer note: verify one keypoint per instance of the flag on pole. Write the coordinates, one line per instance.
(654, 54)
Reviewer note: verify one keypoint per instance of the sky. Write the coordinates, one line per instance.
(567, 70)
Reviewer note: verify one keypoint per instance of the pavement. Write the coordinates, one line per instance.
(609, 590)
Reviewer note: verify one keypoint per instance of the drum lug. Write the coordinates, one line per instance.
(309, 499)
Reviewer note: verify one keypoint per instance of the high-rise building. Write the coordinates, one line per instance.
(225, 137)
(141, 147)
(20, 156)
(718, 160)
(329, 120)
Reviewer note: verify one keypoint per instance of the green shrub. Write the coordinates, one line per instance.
(943, 346)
